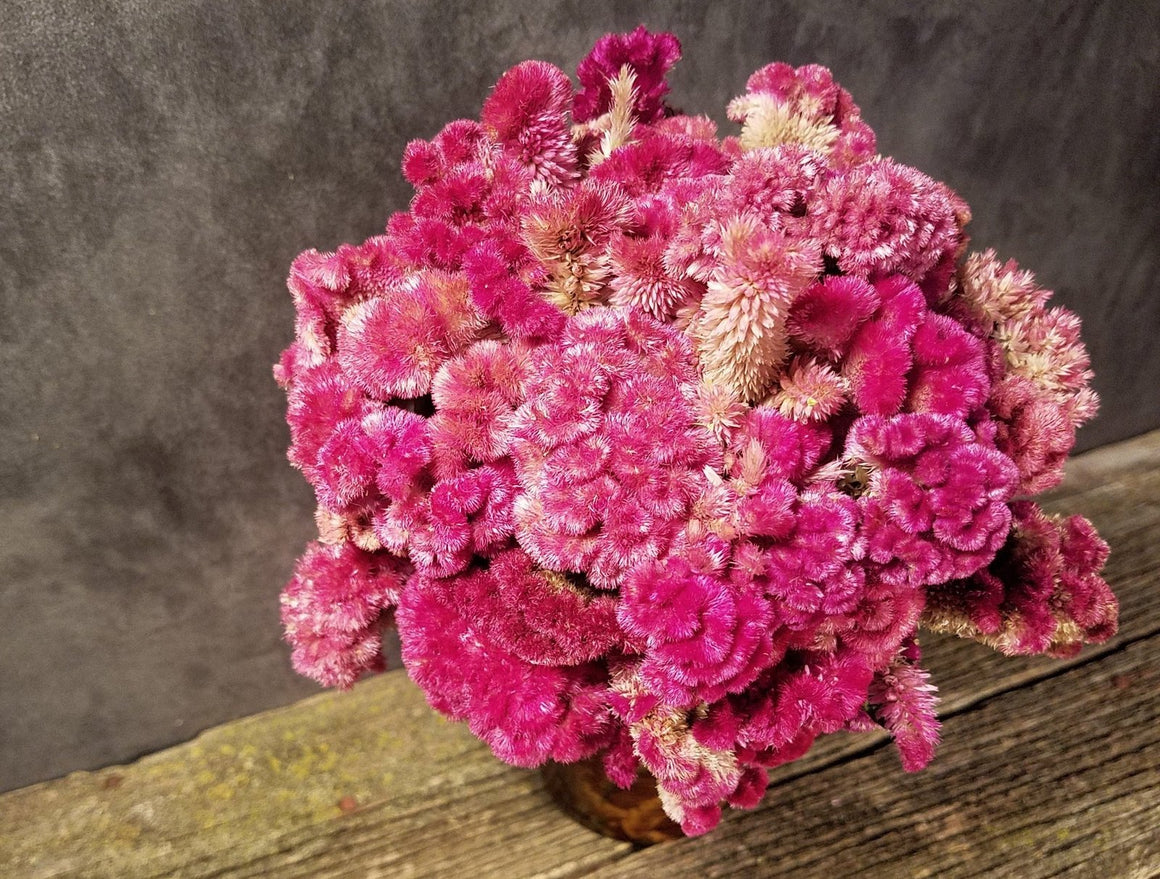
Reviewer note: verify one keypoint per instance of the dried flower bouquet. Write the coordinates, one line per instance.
(661, 447)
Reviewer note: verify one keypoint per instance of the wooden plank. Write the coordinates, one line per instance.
(339, 775)
(373, 783)
(1054, 778)
(1110, 464)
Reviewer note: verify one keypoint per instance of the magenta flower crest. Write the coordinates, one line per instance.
(661, 446)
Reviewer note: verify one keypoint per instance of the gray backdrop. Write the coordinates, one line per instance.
(161, 163)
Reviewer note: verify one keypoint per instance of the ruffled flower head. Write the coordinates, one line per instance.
(659, 446)
(649, 56)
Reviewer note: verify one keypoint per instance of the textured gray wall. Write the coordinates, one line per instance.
(162, 163)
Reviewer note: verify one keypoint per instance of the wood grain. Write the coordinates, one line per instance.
(1047, 768)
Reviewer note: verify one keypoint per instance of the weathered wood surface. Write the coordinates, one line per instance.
(1047, 768)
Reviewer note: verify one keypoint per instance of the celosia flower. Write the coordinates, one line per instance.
(1042, 395)
(826, 315)
(333, 611)
(391, 346)
(545, 617)
(649, 56)
(949, 376)
(527, 114)
(879, 358)
(606, 447)
(319, 399)
(741, 331)
(652, 165)
(475, 396)
(496, 270)
(704, 635)
(568, 231)
(658, 445)
(881, 218)
(904, 701)
(937, 505)
(527, 713)
(803, 106)
(1042, 594)
(692, 778)
(810, 390)
(995, 293)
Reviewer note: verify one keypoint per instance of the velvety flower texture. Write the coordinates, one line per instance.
(660, 446)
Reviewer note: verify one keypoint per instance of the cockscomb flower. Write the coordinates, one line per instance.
(568, 231)
(1042, 593)
(606, 447)
(938, 503)
(528, 114)
(803, 106)
(810, 390)
(658, 446)
(741, 330)
(391, 346)
(880, 218)
(526, 712)
(333, 610)
(904, 701)
(704, 635)
(649, 56)
(1042, 394)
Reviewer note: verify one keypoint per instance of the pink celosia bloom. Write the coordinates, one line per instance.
(333, 608)
(705, 636)
(425, 162)
(607, 448)
(808, 694)
(649, 56)
(879, 357)
(1042, 594)
(318, 400)
(345, 466)
(692, 778)
(1033, 430)
(658, 445)
(653, 164)
(810, 390)
(398, 444)
(779, 183)
(392, 346)
(770, 444)
(826, 315)
(904, 701)
(423, 242)
(887, 613)
(568, 231)
(495, 270)
(937, 504)
(949, 376)
(475, 396)
(545, 617)
(640, 276)
(995, 293)
(741, 330)
(719, 410)
(803, 106)
(696, 127)
(527, 713)
(882, 218)
(1042, 394)
(810, 569)
(527, 113)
